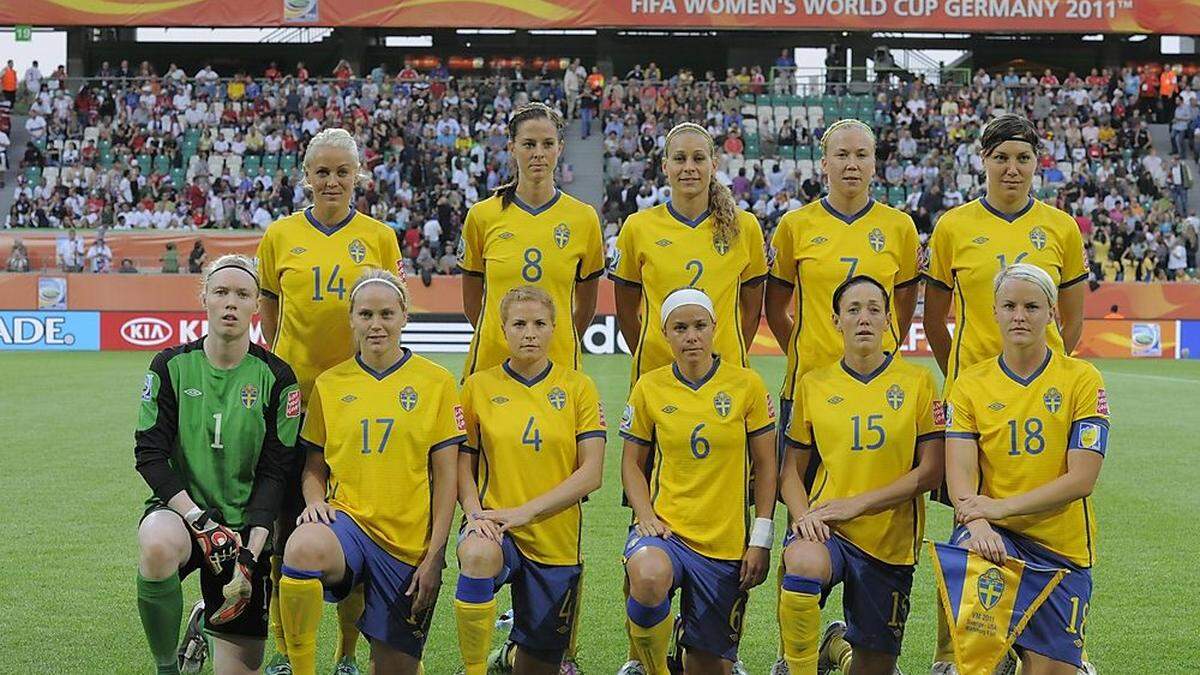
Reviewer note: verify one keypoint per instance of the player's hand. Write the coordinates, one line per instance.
(508, 519)
(985, 541)
(837, 510)
(975, 507)
(811, 529)
(652, 527)
(484, 527)
(217, 543)
(239, 589)
(317, 512)
(755, 564)
(425, 584)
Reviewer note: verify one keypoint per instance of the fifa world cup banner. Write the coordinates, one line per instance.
(1054, 16)
(987, 605)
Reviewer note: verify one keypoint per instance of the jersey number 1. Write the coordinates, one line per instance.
(216, 444)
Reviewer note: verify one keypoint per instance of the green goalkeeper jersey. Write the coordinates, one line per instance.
(224, 436)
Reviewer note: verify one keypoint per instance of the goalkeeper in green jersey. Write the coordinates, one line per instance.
(215, 434)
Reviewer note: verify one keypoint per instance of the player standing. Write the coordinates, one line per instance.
(530, 233)
(218, 420)
(381, 436)
(306, 261)
(1026, 434)
(535, 449)
(706, 419)
(876, 423)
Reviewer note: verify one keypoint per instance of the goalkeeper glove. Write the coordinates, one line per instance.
(217, 543)
(237, 592)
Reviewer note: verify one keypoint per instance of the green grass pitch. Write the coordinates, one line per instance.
(71, 502)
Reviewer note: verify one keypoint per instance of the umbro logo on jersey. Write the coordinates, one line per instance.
(817, 241)
(979, 240)
(299, 250)
(664, 242)
(834, 400)
(505, 235)
(499, 400)
(349, 398)
(669, 409)
(193, 392)
(995, 406)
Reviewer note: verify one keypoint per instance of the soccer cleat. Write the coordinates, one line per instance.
(943, 668)
(1087, 669)
(825, 662)
(278, 665)
(632, 668)
(346, 666)
(780, 668)
(739, 668)
(193, 649)
(504, 622)
(499, 662)
(569, 667)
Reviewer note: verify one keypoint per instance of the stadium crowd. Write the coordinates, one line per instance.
(135, 149)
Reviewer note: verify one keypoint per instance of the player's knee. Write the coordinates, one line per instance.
(807, 559)
(650, 576)
(163, 545)
(310, 547)
(479, 558)
(387, 659)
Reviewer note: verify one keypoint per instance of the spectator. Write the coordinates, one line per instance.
(170, 259)
(432, 230)
(4, 143)
(33, 79)
(70, 252)
(425, 265)
(99, 256)
(127, 267)
(18, 259)
(1114, 313)
(8, 82)
(197, 258)
(448, 262)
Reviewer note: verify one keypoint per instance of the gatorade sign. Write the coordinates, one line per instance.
(55, 331)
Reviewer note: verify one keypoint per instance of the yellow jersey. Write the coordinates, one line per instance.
(526, 433)
(553, 247)
(700, 482)
(309, 269)
(818, 248)
(377, 431)
(1025, 428)
(969, 247)
(660, 251)
(865, 429)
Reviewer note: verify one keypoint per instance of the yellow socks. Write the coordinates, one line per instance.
(800, 623)
(475, 614)
(300, 604)
(276, 619)
(348, 612)
(650, 634)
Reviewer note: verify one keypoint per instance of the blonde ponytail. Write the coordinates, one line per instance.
(722, 207)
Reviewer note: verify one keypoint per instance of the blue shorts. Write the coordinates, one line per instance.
(544, 599)
(875, 595)
(711, 602)
(1050, 631)
(387, 614)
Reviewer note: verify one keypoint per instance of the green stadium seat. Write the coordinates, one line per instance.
(250, 165)
(106, 158)
(33, 174)
(162, 164)
(287, 162)
(804, 152)
(879, 193)
(179, 177)
(104, 145)
(896, 195)
(270, 164)
(145, 164)
(39, 143)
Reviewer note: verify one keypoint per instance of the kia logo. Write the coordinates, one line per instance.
(146, 331)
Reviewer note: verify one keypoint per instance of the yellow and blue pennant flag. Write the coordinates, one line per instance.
(987, 605)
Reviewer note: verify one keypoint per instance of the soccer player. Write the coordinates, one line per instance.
(535, 449)
(699, 239)
(973, 242)
(215, 436)
(530, 233)
(306, 261)
(875, 421)
(821, 245)
(1026, 434)
(706, 418)
(381, 435)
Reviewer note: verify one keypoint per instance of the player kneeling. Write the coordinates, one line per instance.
(535, 449)
(701, 414)
(877, 427)
(218, 420)
(382, 432)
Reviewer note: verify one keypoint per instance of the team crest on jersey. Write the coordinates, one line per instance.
(627, 418)
(990, 588)
(299, 250)
(562, 235)
(669, 409)
(876, 239)
(461, 251)
(1101, 402)
(895, 397)
(557, 398)
(499, 400)
(721, 245)
(834, 400)
(722, 403)
(664, 242)
(939, 413)
(1052, 399)
(293, 404)
(408, 399)
(148, 387)
(358, 251)
(249, 395)
(1037, 237)
(980, 240)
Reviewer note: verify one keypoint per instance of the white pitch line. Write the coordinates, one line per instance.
(1143, 376)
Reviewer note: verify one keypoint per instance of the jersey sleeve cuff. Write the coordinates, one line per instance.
(634, 439)
(936, 282)
(771, 278)
(470, 273)
(594, 275)
(309, 446)
(933, 435)
(969, 435)
(761, 430)
(467, 450)
(595, 433)
(269, 293)
(754, 281)
(1072, 282)
(456, 440)
(793, 443)
(624, 282)
(910, 282)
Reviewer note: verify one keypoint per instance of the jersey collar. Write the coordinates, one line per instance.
(695, 386)
(683, 219)
(866, 379)
(1002, 215)
(1025, 381)
(541, 209)
(405, 354)
(849, 220)
(327, 231)
(532, 381)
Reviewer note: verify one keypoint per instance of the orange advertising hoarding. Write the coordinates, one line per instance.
(1057, 16)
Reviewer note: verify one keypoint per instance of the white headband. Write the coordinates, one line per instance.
(378, 280)
(686, 296)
